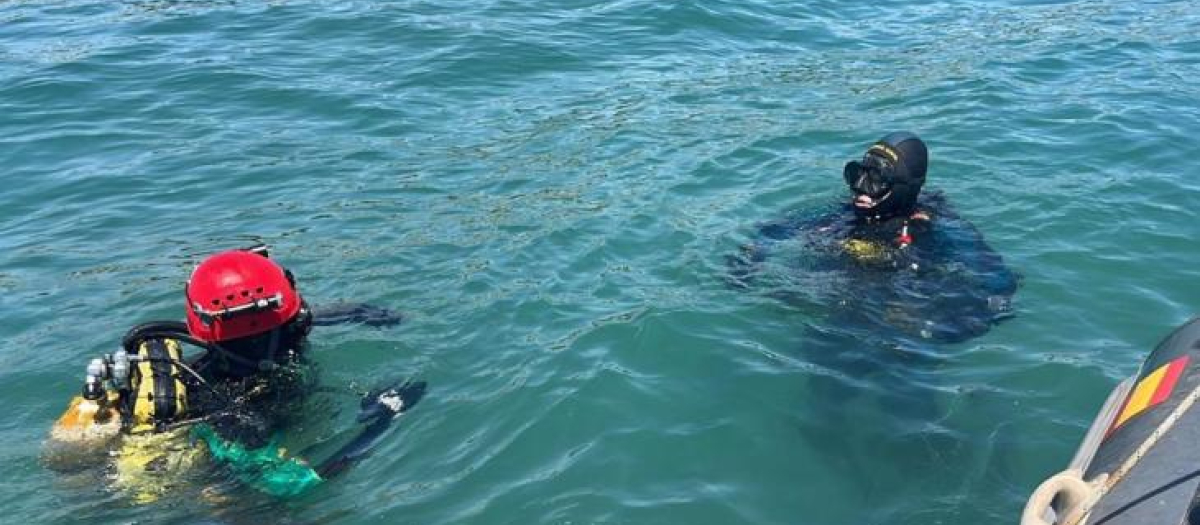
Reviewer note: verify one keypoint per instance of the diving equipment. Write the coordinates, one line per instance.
(240, 357)
(135, 389)
(145, 388)
(157, 396)
(866, 251)
(121, 392)
(79, 435)
(269, 470)
(146, 466)
(239, 293)
(888, 179)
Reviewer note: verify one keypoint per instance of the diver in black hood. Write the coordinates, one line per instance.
(879, 281)
(888, 180)
(902, 261)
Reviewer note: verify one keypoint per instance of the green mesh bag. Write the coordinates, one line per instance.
(265, 469)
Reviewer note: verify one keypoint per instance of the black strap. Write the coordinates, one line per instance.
(178, 331)
(164, 382)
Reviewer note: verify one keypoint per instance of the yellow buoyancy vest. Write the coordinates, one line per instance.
(865, 251)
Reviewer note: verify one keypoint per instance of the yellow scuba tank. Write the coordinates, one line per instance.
(86, 420)
(154, 456)
(157, 395)
(146, 396)
(87, 426)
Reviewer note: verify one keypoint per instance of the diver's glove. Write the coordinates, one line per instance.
(1001, 305)
(389, 402)
(355, 313)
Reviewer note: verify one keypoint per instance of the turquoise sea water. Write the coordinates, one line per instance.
(548, 191)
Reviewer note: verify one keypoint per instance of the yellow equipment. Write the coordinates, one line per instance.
(136, 398)
(158, 396)
(867, 251)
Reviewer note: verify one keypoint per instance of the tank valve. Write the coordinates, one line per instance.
(93, 384)
(119, 368)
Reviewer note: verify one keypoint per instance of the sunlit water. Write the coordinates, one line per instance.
(548, 191)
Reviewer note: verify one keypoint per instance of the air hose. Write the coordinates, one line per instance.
(178, 331)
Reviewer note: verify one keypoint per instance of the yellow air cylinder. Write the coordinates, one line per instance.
(82, 433)
(87, 420)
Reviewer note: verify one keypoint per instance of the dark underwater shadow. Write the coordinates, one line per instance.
(872, 410)
(882, 316)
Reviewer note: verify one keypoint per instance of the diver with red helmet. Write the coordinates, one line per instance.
(245, 314)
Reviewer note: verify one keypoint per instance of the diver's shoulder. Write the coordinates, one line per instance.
(936, 205)
(933, 199)
(802, 220)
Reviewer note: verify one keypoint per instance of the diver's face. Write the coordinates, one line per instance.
(871, 181)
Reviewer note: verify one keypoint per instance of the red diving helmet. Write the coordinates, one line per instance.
(239, 293)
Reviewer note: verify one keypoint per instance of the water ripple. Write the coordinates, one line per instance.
(548, 193)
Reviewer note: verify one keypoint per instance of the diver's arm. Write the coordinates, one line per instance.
(973, 252)
(379, 408)
(369, 315)
(964, 244)
(994, 283)
(264, 467)
(768, 234)
(745, 264)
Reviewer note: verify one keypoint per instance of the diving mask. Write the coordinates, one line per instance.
(874, 176)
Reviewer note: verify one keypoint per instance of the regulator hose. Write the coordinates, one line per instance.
(178, 331)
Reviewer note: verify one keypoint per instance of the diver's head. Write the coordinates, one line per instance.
(888, 179)
(242, 295)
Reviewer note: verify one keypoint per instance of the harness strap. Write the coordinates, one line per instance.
(164, 382)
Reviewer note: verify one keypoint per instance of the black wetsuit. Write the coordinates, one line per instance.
(942, 283)
(246, 401)
(265, 380)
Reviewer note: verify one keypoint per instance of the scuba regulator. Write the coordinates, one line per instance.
(112, 369)
(144, 378)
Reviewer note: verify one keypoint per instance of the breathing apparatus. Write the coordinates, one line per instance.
(147, 381)
(111, 369)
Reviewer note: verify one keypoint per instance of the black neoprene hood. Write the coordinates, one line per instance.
(891, 171)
